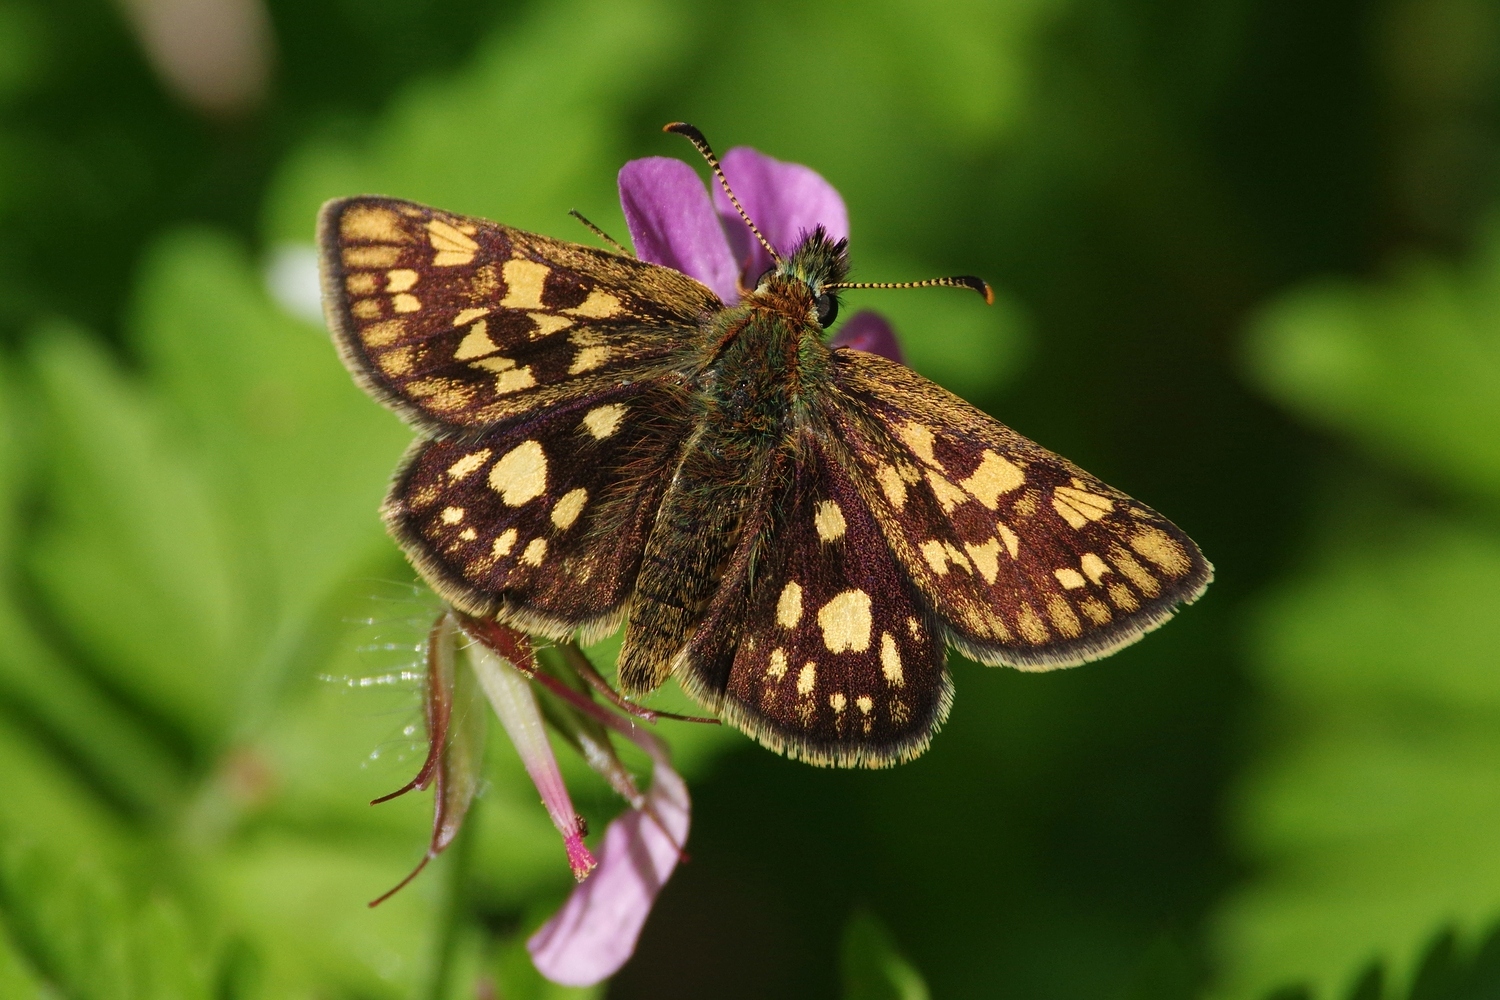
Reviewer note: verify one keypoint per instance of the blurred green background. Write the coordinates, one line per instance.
(1248, 272)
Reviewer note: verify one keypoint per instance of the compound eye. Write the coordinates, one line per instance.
(763, 276)
(827, 305)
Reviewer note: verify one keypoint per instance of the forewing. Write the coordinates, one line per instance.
(541, 522)
(1029, 560)
(455, 322)
(817, 645)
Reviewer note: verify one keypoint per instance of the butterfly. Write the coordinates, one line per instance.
(796, 533)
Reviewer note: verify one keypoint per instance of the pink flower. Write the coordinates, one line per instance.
(674, 222)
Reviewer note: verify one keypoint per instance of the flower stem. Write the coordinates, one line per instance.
(510, 694)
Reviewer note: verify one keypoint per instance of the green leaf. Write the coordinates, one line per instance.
(872, 967)
(1368, 816)
(1409, 369)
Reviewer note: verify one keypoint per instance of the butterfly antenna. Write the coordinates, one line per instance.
(696, 138)
(961, 281)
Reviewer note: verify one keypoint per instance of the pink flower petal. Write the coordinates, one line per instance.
(786, 200)
(596, 930)
(868, 331)
(672, 222)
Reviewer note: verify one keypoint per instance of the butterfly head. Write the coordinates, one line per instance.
(818, 263)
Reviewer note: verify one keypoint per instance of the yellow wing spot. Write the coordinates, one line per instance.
(400, 280)
(536, 552)
(936, 556)
(467, 465)
(361, 258)
(845, 621)
(1162, 549)
(914, 627)
(900, 714)
(468, 316)
(919, 439)
(514, 381)
(587, 359)
(1079, 507)
(468, 534)
(891, 485)
(602, 421)
(425, 496)
(521, 474)
(523, 281)
(890, 661)
(948, 495)
(452, 245)
(1063, 618)
(807, 678)
(546, 324)
(1123, 598)
(1093, 567)
(599, 305)
(396, 362)
(864, 703)
(445, 395)
(452, 515)
(828, 519)
(1012, 543)
(366, 309)
(1134, 571)
(363, 283)
(504, 543)
(476, 343)
(381, 334)
(995, 475)
(405, 303)
(1096, 610)
(1071, 579)
(837, 701)
(566, 510)
(1025, 505)
(789, 605)
(1033, 629)
(776, 668)
(986, 558)
(372, 224)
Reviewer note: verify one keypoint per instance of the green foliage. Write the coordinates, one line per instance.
(873, 968)
(1371, 813)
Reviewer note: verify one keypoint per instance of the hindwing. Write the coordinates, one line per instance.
(541, 522)
(817, 645)
(1029, 560)
(456, 322)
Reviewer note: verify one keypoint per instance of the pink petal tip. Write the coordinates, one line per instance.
(595, 932)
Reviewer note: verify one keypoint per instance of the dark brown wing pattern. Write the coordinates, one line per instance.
(1029, 560)
(455, 322)
(817, 645)
(541, 522)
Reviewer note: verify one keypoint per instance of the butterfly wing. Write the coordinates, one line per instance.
(1027, 559)
(541, 522)
(817, 645)
(455, 322)
(536, 368)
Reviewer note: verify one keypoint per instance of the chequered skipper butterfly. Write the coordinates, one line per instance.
(797, 534)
